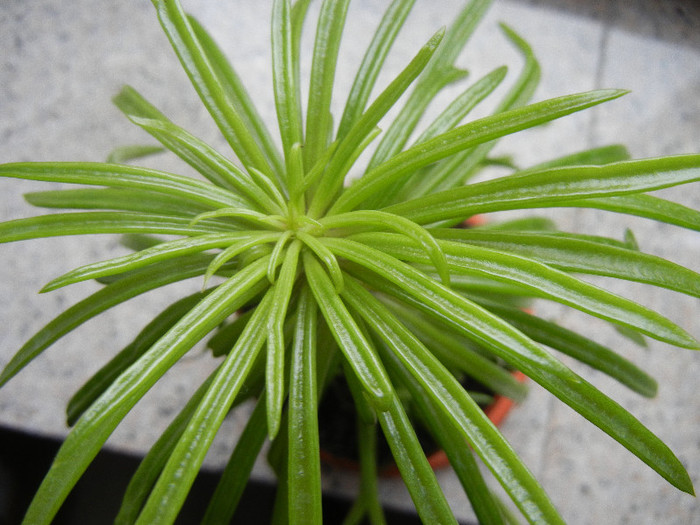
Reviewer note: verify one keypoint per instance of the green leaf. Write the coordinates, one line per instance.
(356, 348)
(234, 477)
(101, 222)
(174, 483)
(95, 426)
(274, 222)
(287, 96)
(304, 469)
(466, 136)
(318, 118)
(152, 464)
(205, 79)
(207, 161)
(121, 199)
(160, 252)
(521, 353)
(582, 255)
(423, 182)
(372, 62)
(100, 381)
(461, 458)
(579, 347)
(369, 490)
(119, 291)
(124, 154)
(274, 375)
(243, 244)
(202, 157)
(295, 176)
(646, 206)
(552, 187)
(374, 218)
(120, 176)
(457, 169)
(590, 157)
(330, 185)
(542, 281)
(325, 256)
(463, 104)
(458, 353)
(440, 73)
(238, 95)
(455, 405)
(419, 477)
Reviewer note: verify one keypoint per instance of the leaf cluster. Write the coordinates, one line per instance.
(307, 279)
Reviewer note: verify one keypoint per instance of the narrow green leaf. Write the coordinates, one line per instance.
(124, 154)
(374, 218)
(440, 73)
(122, 199)
(437, 384)
(461, 458)
(287, 96)
(304, 469)
(205, 79)
(325, 256)
(330, 185)
(225, 337)
(95, 426)
(369, 484)
(521, 353)
(276, 256)
(274, 371)
(237, 248)
(458, 353)
(275, 222)
(454, 171)
(422, 183)
(175, 481)
(318, 120)
(100, 381)
(234, 478)
(552, 187)
(590, 157)
(268, 186)
(581, 348)
(159, 252)
(238, 95)
(80, 223)
(537, 224)
(139, 282)
(419, 477)
(466, 136)
(356, 348)
(643, 205)
(295, 176)
(542, 281)
(372, 62)
(582, 255)
(460, 107)
(524, 87)
(202, 157)
(121, 176)
(210, 163)
(152, 464)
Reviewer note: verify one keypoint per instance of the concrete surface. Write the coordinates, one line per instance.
(61, 65)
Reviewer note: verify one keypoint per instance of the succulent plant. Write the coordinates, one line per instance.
(307, 276)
